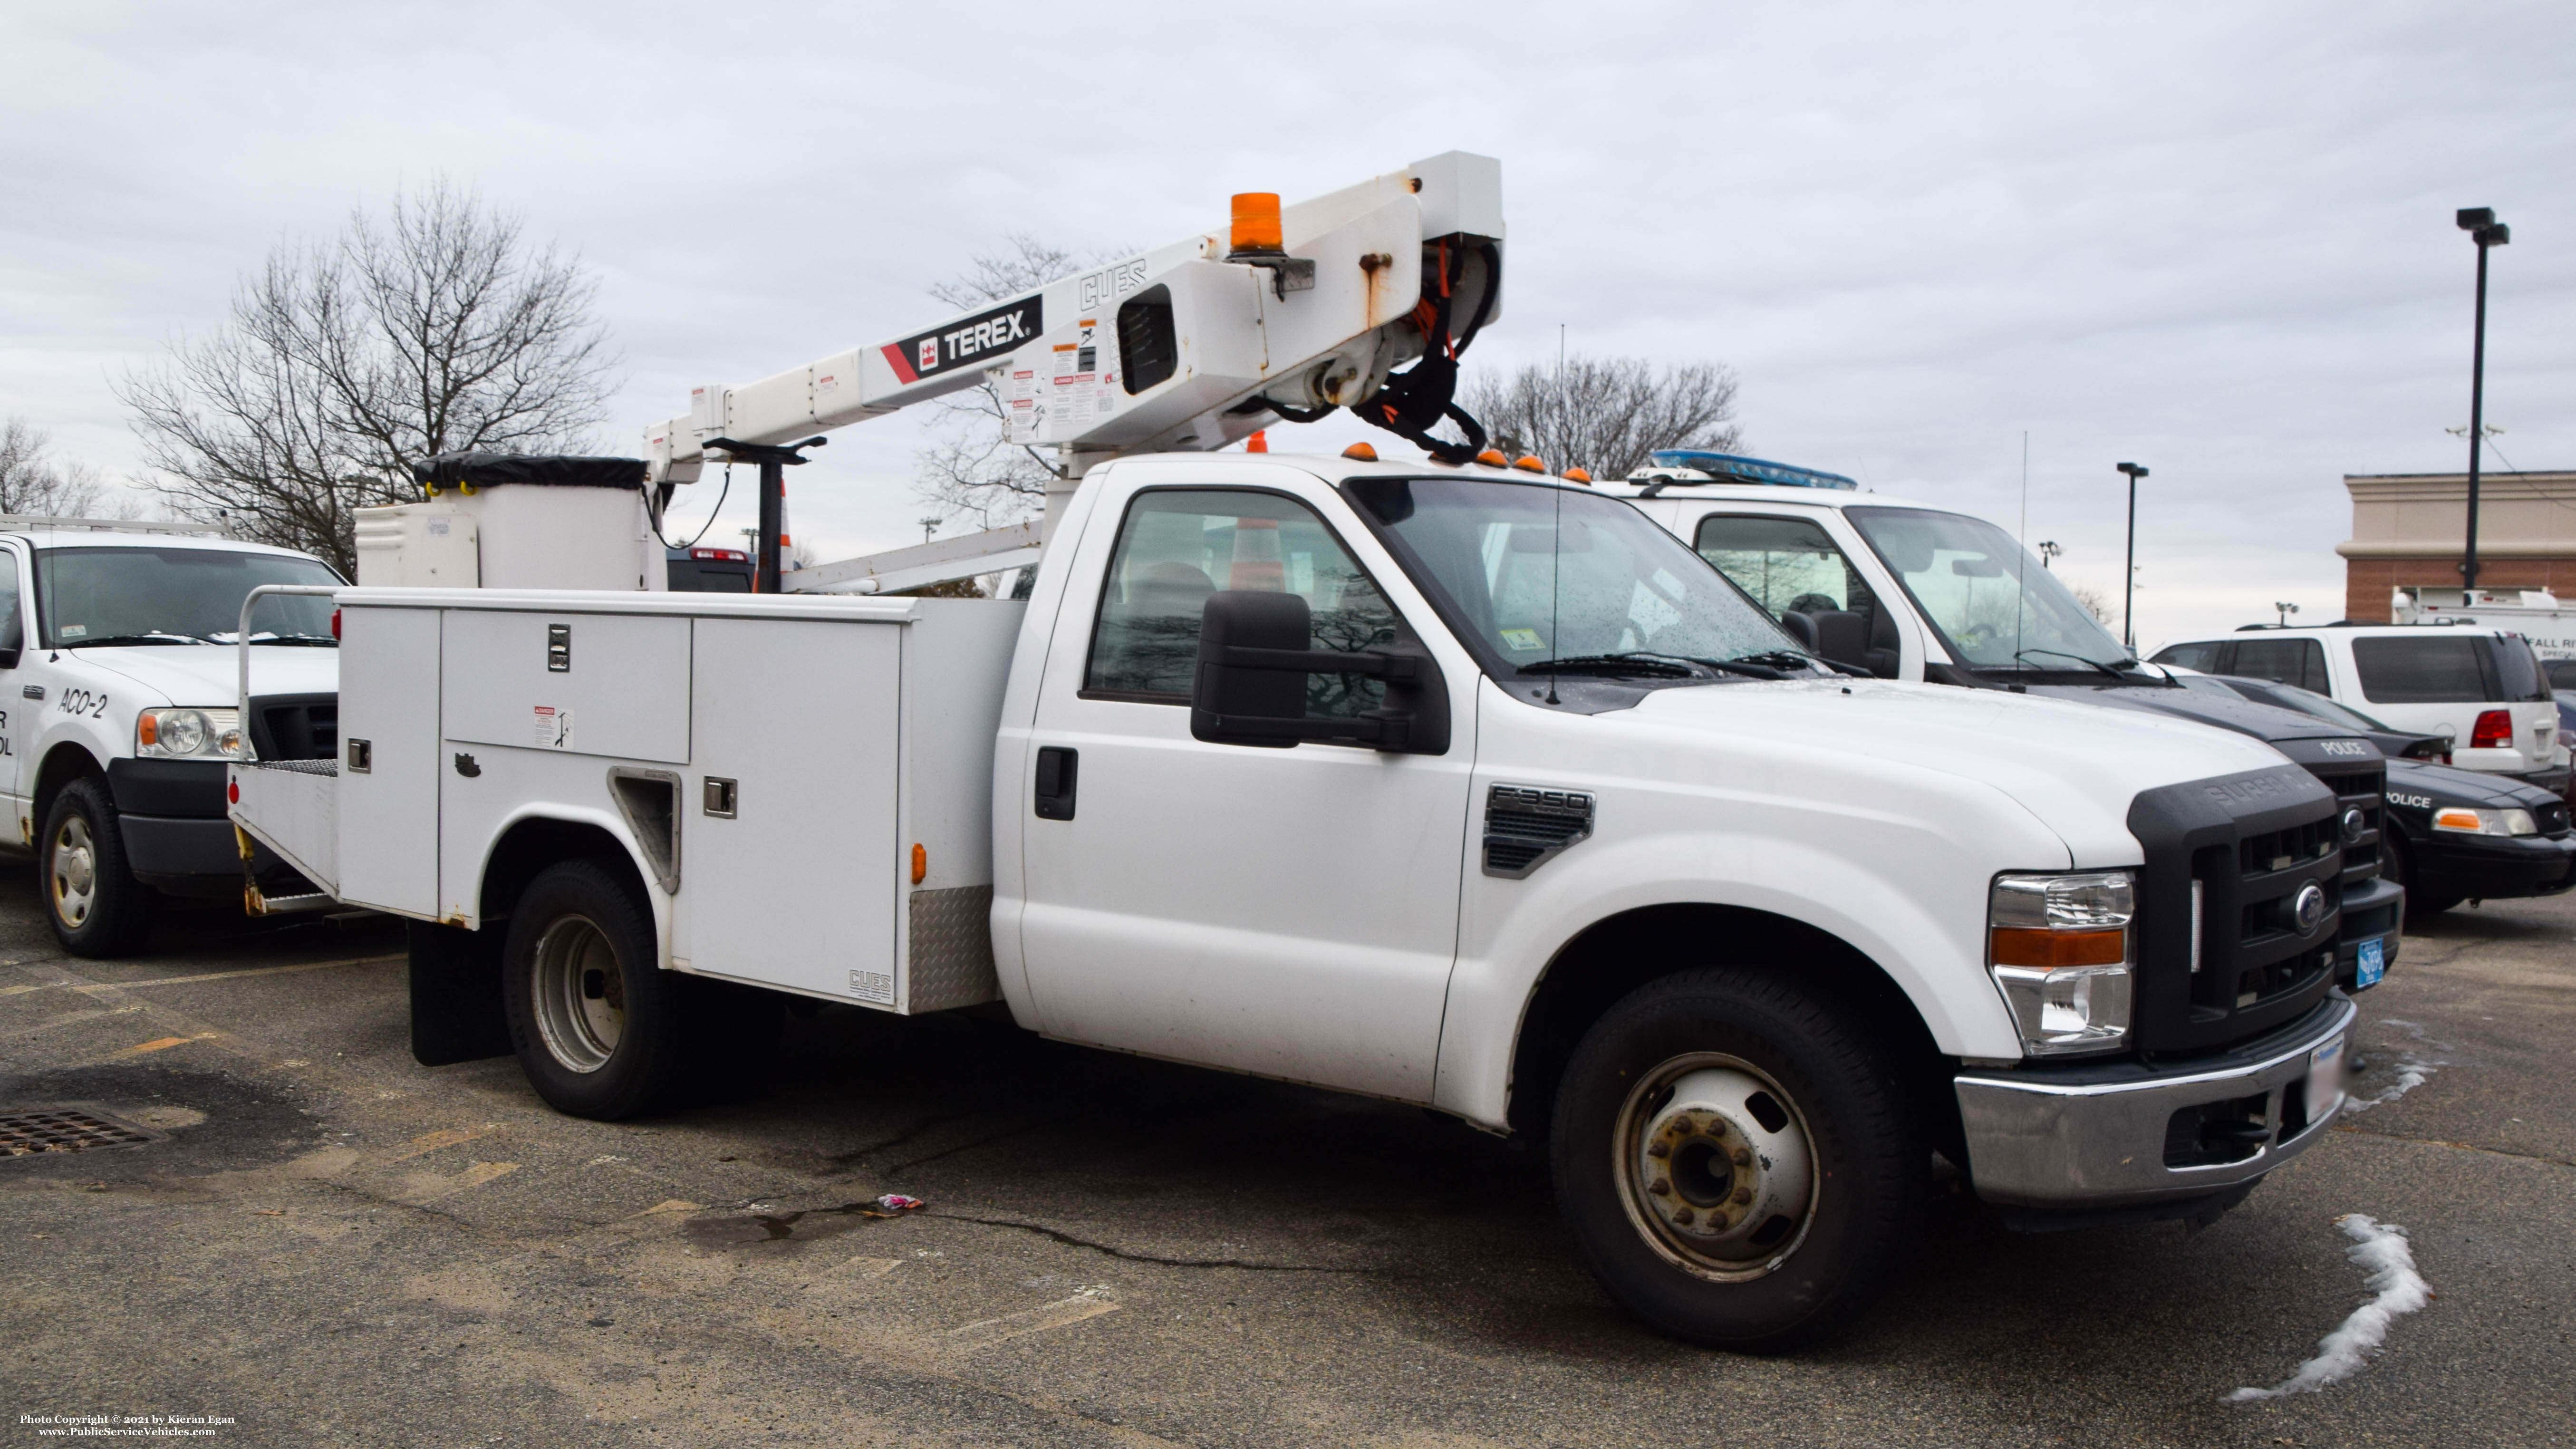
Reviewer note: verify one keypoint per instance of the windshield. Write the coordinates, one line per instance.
(92, 596)
(1993, 603)
(1535, 573)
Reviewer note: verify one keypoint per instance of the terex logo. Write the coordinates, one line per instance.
(978, 339)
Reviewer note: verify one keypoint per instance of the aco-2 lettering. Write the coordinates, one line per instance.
(81, 701)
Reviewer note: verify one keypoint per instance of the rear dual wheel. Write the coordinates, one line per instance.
(601, 1030)
(1736, 1159)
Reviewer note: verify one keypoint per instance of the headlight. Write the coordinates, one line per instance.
(2058, 946)
(188, 734)
(2485, 822)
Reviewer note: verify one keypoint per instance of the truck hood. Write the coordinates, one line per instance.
(2445, 785)
(2073, 766)
(2265, 722)
(204, 674)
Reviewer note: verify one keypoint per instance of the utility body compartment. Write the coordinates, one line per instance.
(756, 756)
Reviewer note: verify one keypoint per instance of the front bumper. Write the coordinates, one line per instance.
(2484, 867)
(2373, 910)
(2112, 1133)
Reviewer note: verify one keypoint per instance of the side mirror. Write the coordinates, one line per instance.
(1255, 652)
(1842, 636)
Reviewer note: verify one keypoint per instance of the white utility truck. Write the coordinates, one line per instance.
(1448, 784)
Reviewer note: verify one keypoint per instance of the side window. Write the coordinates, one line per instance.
(1786, 564)
(2283, 661)
(2204, 657)
(2437, 669)
(13, 634)
(2517, 669)
(1177, 547)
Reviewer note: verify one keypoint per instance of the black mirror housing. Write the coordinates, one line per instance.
(1255, 652)
(1228, 701)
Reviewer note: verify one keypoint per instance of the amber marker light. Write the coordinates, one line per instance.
(1577, 475)
(1256, 222)
(1492, 458)
(1529, 463)
(147, 730)
(920, 863)
(1360, 453)
(2048, 950)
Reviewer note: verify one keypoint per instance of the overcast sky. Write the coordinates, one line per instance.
(2215, 239)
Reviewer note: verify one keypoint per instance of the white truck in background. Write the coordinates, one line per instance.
(1447, 784)
(120, 707)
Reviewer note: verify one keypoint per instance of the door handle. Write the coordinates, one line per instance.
(1056, 770)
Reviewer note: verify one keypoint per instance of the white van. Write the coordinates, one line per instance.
(2483, 687)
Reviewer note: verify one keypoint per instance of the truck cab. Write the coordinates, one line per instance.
(1450, 785)
(1920, 592)
(119, 710)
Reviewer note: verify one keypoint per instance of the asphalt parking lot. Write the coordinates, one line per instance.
(328, 1244)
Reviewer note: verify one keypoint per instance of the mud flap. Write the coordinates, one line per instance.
(456, 1011)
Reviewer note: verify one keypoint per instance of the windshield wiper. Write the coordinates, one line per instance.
(303, 640)
(2112, 670)
(1661, 666)
(149, 636)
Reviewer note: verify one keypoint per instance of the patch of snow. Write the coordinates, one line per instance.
(2381, 1248)
(2413, 1070)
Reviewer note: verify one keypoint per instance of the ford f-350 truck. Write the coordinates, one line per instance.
(1458, 786)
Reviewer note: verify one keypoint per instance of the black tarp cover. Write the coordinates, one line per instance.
(487, 470)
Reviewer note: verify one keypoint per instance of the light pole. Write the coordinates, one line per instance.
(2480, 223)
(2049, 550)
(2129, 579)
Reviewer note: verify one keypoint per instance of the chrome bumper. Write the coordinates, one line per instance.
(2097, 1135)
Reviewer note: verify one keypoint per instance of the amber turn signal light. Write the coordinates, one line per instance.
(2048, 950)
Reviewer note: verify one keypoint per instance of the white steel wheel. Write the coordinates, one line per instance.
(74, 873)
(1715, 1167)
(579, 994)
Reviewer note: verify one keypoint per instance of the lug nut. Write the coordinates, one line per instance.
(1740, 1157)
(1659, 1185)
(1683, 1215)
(1743, 1195)
(1660, 1149)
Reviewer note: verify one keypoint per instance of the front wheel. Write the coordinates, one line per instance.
(1736, 1159)
(600, 1029)
(92, 900)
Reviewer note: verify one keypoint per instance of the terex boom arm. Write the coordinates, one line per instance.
(1188, 346)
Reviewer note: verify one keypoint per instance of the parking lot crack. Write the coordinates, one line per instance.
(2457, 1146)
(1129, 1256)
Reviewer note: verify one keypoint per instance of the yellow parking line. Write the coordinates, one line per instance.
(6, 991)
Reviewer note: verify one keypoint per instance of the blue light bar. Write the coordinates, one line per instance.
(1749, 470)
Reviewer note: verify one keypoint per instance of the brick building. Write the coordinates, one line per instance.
(2408, 531)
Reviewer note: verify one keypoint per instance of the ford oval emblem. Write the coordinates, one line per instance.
(2355, 825)
(2309, 910)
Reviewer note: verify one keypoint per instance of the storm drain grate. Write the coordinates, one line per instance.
(24, 1134)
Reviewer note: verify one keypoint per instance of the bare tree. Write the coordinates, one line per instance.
(438, 329)
(2095, 601)
(971, 466)
(1606, 414)
(30, 483)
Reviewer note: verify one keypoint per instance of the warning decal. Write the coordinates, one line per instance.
(554, 728)
(972, 342)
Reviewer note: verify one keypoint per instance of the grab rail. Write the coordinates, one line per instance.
(241, 644)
